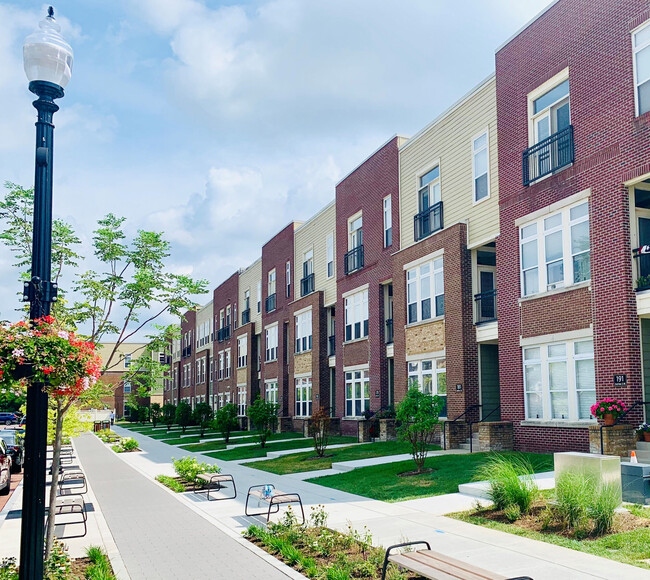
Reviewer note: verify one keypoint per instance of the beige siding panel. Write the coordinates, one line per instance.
(313, 236)
(248, 280)
(425, 338)
(449, 142)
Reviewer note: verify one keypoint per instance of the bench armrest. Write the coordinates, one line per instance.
(390, 548)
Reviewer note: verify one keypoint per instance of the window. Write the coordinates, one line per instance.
(271, 391)
(559, 380)
(127, 387)
(303, 397)
(271, 282)
(211, 371)
(242, 351)
(221, 363)
(550, 112)
(308, 263)
(198, 371)
(480, 161)
(228, 364)
(288, 278)
(234, 315)
(355, 228)
(247, 299)
(388, 222)
(259, 297)
(356, 315)
(228, 316)
(162, 358)
(303, 332)
(127, 361)
(555, 250)
(241, 400)
(272, 343)
(425, 291)
(357, 393)
(641, 48)
(429, 191)
(430, 376)
(203, 370)
(330, 255)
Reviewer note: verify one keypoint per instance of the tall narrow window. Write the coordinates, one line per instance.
(303, 332)
(303, 397)
(259, 297)
(356, 315)
(357, 393)
(551, 112)
(271, 282)
(271, 391)
(330, 255)
(641, 47)
(242, 351)
(127, 360)
(480, 167)
(388, 222)
(355, 227)
(425, 291)
(288, 274)
(272, 343)
(429, 192)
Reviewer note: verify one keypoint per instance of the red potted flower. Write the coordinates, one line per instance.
(609, 410)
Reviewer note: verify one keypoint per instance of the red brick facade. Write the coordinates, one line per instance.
(188, 356)
(223, 339)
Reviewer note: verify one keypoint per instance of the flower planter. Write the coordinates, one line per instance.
(609, 419)
(646, 436)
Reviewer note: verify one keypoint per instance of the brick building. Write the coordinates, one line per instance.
(187, 388)
(224, 306)
(572, 104)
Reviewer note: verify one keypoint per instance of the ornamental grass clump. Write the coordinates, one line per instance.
(512, 483)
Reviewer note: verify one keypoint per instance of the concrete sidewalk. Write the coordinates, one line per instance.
(391, 523)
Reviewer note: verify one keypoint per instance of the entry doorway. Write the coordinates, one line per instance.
(489, 375)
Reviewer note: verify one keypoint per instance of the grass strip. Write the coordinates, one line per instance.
(255, 451)
(299, 462)
(383, 482)
(171, 483)
(216, 445)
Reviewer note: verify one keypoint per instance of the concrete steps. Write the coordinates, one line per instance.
(474, 443)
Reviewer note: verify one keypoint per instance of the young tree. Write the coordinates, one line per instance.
(183, 415)
(225, 421)
(169, 414)
(417, 416)
(203, 416)
(319, 429)
(143, 413)
(155, 413)
(264, 416)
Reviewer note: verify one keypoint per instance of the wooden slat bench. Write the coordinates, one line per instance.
(275, 498)
(436, 566)
(215, 480)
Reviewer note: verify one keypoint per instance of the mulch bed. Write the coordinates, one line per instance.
(411, 473)
(315, 457)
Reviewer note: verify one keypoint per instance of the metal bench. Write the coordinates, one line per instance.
(215, 479)
(68, 505)
(436, 566)
(71, 482)
(274, 497)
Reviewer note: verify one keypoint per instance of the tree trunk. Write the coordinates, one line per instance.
(58, 432)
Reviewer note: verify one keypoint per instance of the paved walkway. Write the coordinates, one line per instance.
(392, 523)
(157, 536)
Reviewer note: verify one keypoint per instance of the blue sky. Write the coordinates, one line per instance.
(221, 122)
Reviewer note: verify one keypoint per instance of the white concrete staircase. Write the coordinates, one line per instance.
(643, 451)
(474, 443)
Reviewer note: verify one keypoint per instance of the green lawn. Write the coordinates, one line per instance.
(255, 451)
(631, 547)
(382, 481)
(215, 445)
(310, 462)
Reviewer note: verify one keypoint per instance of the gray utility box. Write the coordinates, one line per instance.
(635, 478)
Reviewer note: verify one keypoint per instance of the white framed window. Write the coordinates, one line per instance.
(429, 376)
(234, 315)
(425, 290)
(480, 167)
(641, 54)
(227, 397)
(259, 297)
(241, 401)
(308, 263)
(357, 393)
(429, 189)
(303, 397)
(355, 231)
(228, 364)
(242, 351)
(560, 380)
(330, 255)
(388, 222)
(288, 278)
(549, 110)
(555, 250)
(228, 316)
(303, 332)
(271, 343)
(211, 371)
(271, 391)
(356, 315)
(222, 359)
(220, 402)
(127, 360)
(247, 299)
(127, 387)
(198, 371)
(271, 282)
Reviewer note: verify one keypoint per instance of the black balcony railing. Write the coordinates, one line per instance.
(270, 302)
(642, 254)
(353, 260)
(428, 221)
(331, 345)
(486, 306)
(307, 285)
(548, 155)
(389, 331)
(245, 316)
(223, 334)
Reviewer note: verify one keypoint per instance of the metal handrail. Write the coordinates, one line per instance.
(547, 156)
(470, 423)
(444, 425)
(634, 406)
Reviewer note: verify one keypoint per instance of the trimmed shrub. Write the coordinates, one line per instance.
(189, 468)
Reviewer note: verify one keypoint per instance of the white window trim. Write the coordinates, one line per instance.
(435, 371)
(304, 386)
(277, 340)
(363, 322)
(428, 258)
(351, 220)
(486, 132)
(574, 199)
(302, 324)
(634, 77)
(362, 370)
(388, 199)
(432, 287)
(542, 89)
(330, 236)
(267, 384)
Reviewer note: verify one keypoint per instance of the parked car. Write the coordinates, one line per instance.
(15, 448)
(5, 469)
(8, 418)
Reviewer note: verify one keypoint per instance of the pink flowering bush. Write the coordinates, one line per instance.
(47, 352)
(608, 405)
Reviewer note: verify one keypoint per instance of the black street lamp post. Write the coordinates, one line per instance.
(48, 64)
